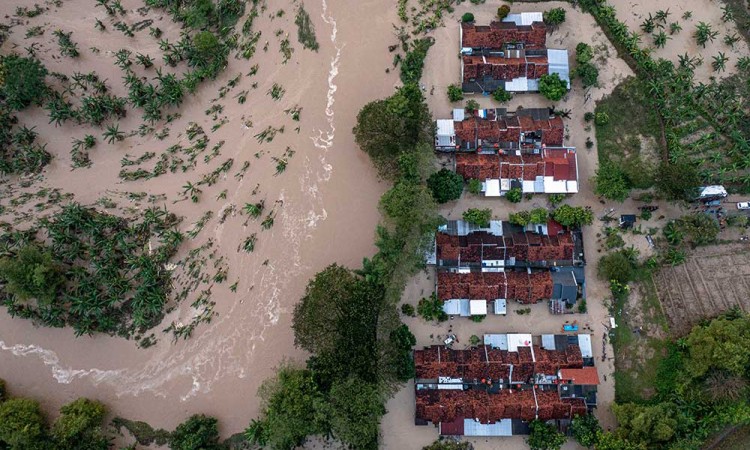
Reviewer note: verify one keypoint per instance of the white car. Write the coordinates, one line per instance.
(743, 205)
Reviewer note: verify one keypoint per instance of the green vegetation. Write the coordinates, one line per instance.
(431, 308)
(21, 81)
(543, 436)
(502, 12)
(413, 62)
(514, 195)
(523, 218)
(455, 94)
(305, 29)
(95, 274)
(501, 95)
(474, 186)
(445, 185)
(554, 17)
(553, 87)
(573, 216)
(387, 128)
(478, 217)
(199, 432)
(467, 17)
(448, 445)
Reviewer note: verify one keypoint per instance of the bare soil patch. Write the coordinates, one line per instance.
(712, 280)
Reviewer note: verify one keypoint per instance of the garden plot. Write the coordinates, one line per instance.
(711, 281)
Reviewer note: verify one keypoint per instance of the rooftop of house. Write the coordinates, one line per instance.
(509, 131)
(501, 68)
(495, 35)
(497, 364)
(448, 405)
(588, 376)
(521, 286)
(559, 164)
(515, 243)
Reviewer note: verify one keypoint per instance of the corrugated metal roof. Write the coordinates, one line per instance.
(501, 306)
(459, 114)
(474, 428)
(548, 341)
(458, 307)
(517, 85)
(584, 341)
(558, 63)
(525, 18)
(478, 307)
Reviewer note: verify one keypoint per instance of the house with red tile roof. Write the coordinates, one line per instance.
(480, 266)
(497, 388)
(511, 54)
(549, 171)
(497, 129)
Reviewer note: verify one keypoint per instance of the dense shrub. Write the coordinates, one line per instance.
(554, 16)
(467, 17)
(501, 95)
(22, 81)
(479, 217)
(514, 195)
(503, 11)
(455, 93)
(553, 87)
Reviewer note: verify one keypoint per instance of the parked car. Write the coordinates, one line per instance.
(743, 205)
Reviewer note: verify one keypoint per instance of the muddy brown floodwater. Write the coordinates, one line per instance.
(327, 212)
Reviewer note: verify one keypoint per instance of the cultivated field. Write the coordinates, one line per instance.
(712, 280)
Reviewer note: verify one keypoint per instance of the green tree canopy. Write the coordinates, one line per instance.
(22, 81)
(523, 218)
(646, 424)
(586, 430)
(355, 411)
(289, 402)
(478, 217)
(610, 182)
(544, 436)
(445, 185)
(22, 424)
(724, 344)
(611, 441)
(553, 87)
(32, 274)
(616, 266)
(79, 426)
(386, 128)
(573, 216)
(199, 432)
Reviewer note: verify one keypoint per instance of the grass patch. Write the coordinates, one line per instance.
(639, 341)
(305, 29)
(632, 126)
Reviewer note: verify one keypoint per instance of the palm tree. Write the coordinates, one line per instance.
(249, 244)
(145, 60)
(113, 133)
(649, 24)
(720, 62)
(254, 210)
(674, 28)
(704, 33)
(660, 39)
(731, 39)
(662, 15)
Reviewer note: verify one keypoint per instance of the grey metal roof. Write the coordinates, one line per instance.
(501, 428)
(499, 341)
(558, 63)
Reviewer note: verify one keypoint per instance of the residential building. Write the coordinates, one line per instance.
(481, 269)
(498, 130)
(497, 388)
(511, 54)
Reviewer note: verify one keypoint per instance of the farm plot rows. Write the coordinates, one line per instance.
(712, 280)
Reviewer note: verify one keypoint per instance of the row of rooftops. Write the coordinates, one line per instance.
(496, 130)
(506, 150)
(511, 54)
(503, 262)
(512, 377)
